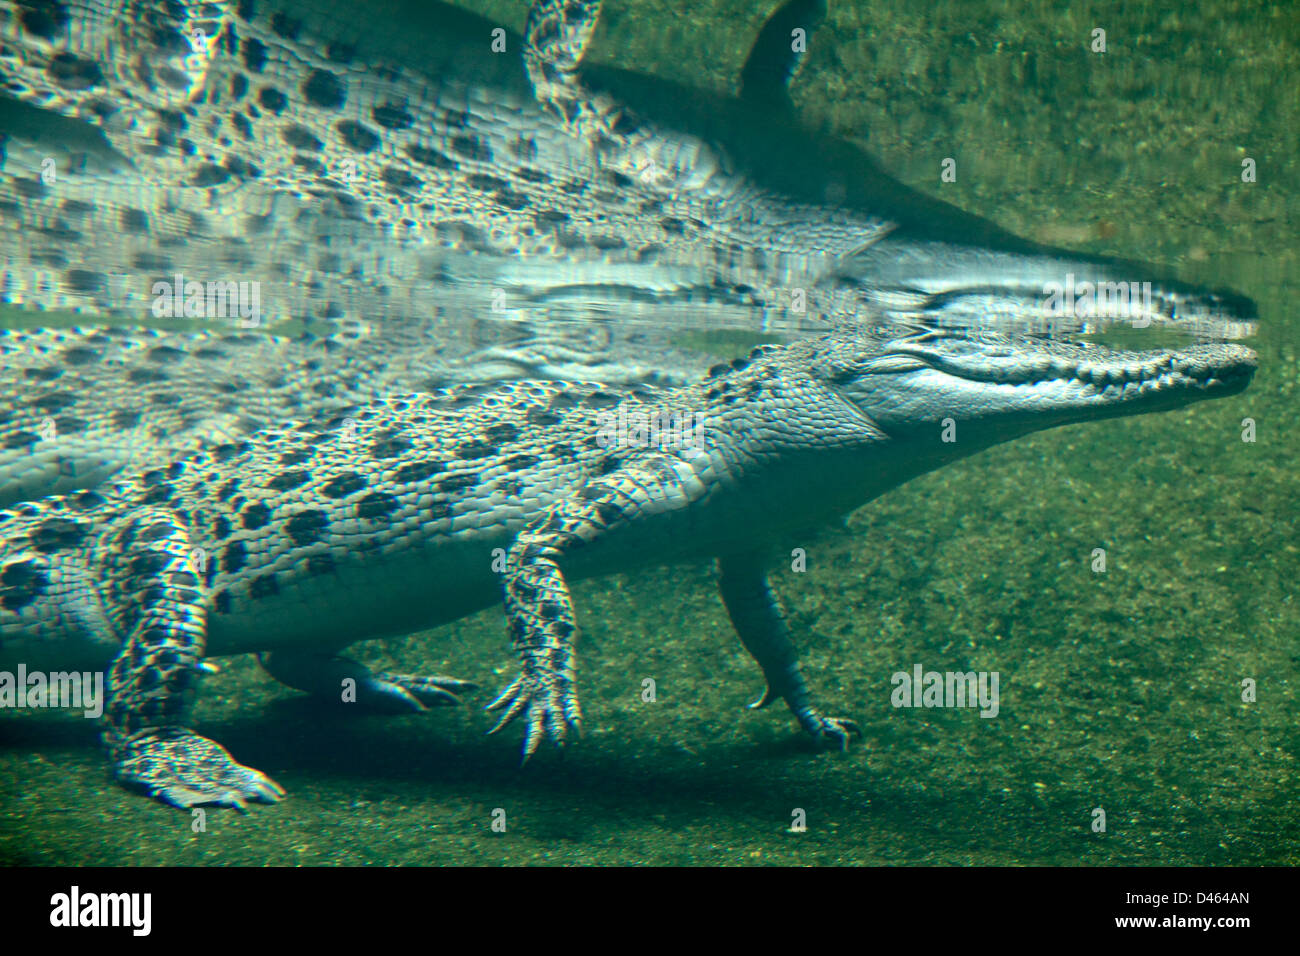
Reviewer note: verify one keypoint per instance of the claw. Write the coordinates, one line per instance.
(406, 693)
(547, 713)
(533, 739)
(838, 731)
(769, 695)
(517, 702)
(385, 697)
(455, 686)
(500, 699)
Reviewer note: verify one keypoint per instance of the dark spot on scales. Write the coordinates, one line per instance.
(378, 504)
(70, 425)
(255, 55)
(147, 564)
(471, 147)
(272, 99)
(57, 534)
(288, 480)
(235, 557)
(343, 485)
(54, 401)
(286, 26)
(21, 439)
(300, 138)
(430, 157)
(325, 90)
(418, 471)
(478, 448)
(256, 516)
(392, 116)
(21, 583)
(540, 416)
(83, 280)
(84, 500)
(74, 72)
(44, 18)
(341, 52)
(360, 137)
(458, 482)
(296, 457)
(399, 179)
(390, 446)
(307, 527)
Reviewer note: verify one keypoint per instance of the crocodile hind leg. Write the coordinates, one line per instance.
(155, 598)
(760, 622)
(324, 676)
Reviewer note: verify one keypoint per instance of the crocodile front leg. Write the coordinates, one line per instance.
(538, 608)
(155, 598)
(760, 622)
(540, 618)
(555, 40)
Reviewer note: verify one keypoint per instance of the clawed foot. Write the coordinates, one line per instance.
(186, 770)
(335, 678)
(409, 693)
(834, 733)
(549, 705)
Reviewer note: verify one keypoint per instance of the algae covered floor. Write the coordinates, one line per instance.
(1120, 691)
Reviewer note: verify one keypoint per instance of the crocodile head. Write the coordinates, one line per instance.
(972, 288)
(995, 387)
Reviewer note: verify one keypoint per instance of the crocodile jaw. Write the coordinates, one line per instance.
(1005, 392)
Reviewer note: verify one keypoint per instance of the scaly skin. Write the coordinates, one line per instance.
(352, 170)
(294, 151)
(79, 406)
(391, 516)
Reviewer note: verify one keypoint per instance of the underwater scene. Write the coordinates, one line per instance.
(649, 432)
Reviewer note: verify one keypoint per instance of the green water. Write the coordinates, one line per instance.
(1120, 691)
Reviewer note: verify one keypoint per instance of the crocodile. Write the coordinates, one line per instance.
(356, 171)
(416, 509)
(145, 397)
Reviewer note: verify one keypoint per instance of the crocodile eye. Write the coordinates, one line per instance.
(847, 373)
